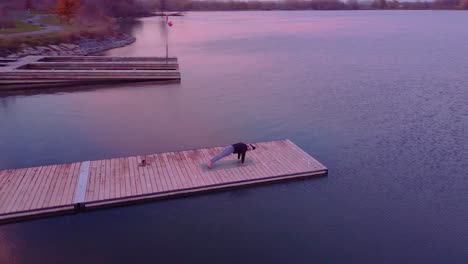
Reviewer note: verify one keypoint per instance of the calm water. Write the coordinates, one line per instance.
(380, 98)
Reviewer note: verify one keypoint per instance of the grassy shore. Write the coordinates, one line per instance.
(68, 34)
(20, 27)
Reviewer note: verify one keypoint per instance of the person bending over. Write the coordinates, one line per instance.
(239, 148)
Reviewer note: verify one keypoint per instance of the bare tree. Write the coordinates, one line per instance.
(353, 4)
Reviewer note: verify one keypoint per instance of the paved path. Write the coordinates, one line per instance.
(35, 21)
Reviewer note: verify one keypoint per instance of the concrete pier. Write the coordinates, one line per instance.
(33, 70)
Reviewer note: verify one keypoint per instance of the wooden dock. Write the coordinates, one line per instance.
(69, 188)
(44, 70)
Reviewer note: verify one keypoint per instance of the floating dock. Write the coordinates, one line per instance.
(33, 71)
(69, 188)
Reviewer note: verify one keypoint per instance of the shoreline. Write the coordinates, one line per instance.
(81, 47)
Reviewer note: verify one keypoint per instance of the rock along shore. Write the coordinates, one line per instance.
(82, 47)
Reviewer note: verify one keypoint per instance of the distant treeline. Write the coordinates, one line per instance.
(213, 5)
(133, 8)
(112, 8)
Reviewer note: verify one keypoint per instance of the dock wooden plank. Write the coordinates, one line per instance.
(108, 179)
(160, 174)
(41, 187)
(98, 188)
(5, 179)
(115, 187)
(260, 169)
(186, 174)
(54, 186)
(20, 189)
(196, 160)
(261, 165)
(74, 183)
(253, 168)
(134, 173)
(126, 176)
(289, 156)
(172, 174)
(4, 175)
(199, 164)
(34, 193)
(69, 187)
(177, 170)
(165, 173)
(180, 172)
(18, 194)
(146, 184)
(30, 188)
(191, 162)
(187, 171)
(64, 186)
(14, 186)
(141, 175)
(133, 179)
(149, 176)
(272, 160)
(7, 186)
(120, 186)
(59, 188)
(102, 180)
(90, 192)
(112, 179)
(306, 164)
(122, 178)
(49, 185)
(155, 174)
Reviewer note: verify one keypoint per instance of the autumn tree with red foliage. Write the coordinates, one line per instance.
(67, 9)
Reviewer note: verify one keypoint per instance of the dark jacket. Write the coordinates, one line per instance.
(240, 148)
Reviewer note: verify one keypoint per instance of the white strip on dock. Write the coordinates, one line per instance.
(80, 192)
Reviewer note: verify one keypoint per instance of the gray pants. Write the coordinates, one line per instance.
(226, 152)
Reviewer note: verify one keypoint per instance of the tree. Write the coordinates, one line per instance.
(379, 4)
(464, 4)
(6, 21)
(28, 4)
(162, 5)
(393, 4)
(353, 4)
(67, 9)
